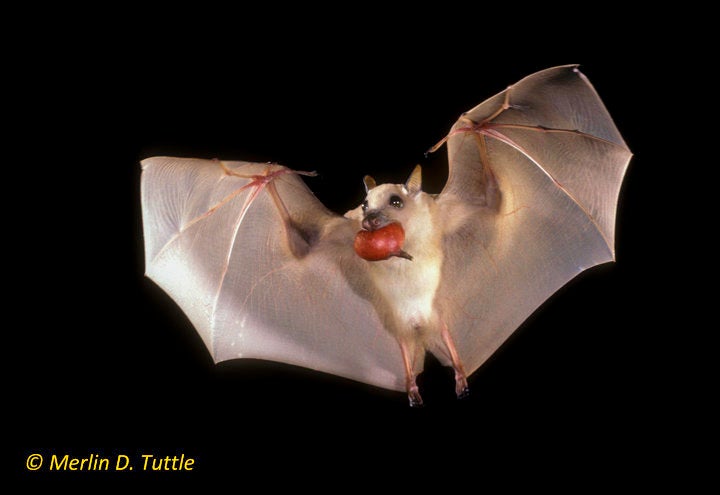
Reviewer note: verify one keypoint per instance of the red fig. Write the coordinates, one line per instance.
(382, 243)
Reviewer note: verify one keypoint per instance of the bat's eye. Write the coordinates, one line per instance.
(396, 201)
(364, 206)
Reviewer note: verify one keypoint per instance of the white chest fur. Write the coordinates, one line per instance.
(408, 289)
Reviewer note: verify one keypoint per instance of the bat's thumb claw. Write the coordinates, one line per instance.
(437, 145)
(304, 172)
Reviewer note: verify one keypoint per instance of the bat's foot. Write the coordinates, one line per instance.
(463, 394)
(414, 397)
(461, 385)
(410, 384)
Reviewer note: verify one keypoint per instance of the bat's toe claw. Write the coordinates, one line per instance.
(414, 397)
(463, 393)
(461, 385)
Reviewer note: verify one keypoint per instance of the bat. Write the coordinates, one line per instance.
(263, 270)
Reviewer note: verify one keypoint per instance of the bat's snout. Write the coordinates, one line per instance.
(375, 220)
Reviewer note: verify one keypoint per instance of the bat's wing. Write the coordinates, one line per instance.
(262, 268)
(535, 173)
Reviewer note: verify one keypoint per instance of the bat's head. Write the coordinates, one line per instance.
(405, 203)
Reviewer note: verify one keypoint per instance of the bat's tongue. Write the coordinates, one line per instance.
(381, 244)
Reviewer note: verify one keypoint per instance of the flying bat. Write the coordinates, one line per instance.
(263, 270)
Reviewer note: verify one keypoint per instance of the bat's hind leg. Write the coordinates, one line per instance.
(461, 385)
(408, 355)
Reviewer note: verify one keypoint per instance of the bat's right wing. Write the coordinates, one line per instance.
(262, 268)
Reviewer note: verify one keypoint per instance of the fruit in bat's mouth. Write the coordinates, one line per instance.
(381, 244)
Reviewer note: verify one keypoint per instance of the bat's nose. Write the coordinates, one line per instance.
(374, 220)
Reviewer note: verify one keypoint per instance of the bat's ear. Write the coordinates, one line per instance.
(369, 183)
(414, 182)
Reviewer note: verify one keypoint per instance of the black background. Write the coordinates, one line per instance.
(100, 360)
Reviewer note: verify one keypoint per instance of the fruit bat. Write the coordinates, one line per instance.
(263, 270)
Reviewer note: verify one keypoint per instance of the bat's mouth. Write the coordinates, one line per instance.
(375, 220)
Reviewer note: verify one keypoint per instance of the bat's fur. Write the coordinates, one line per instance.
(406, 289)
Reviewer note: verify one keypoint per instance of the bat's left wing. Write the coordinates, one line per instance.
(535, 174)
(262, 269)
